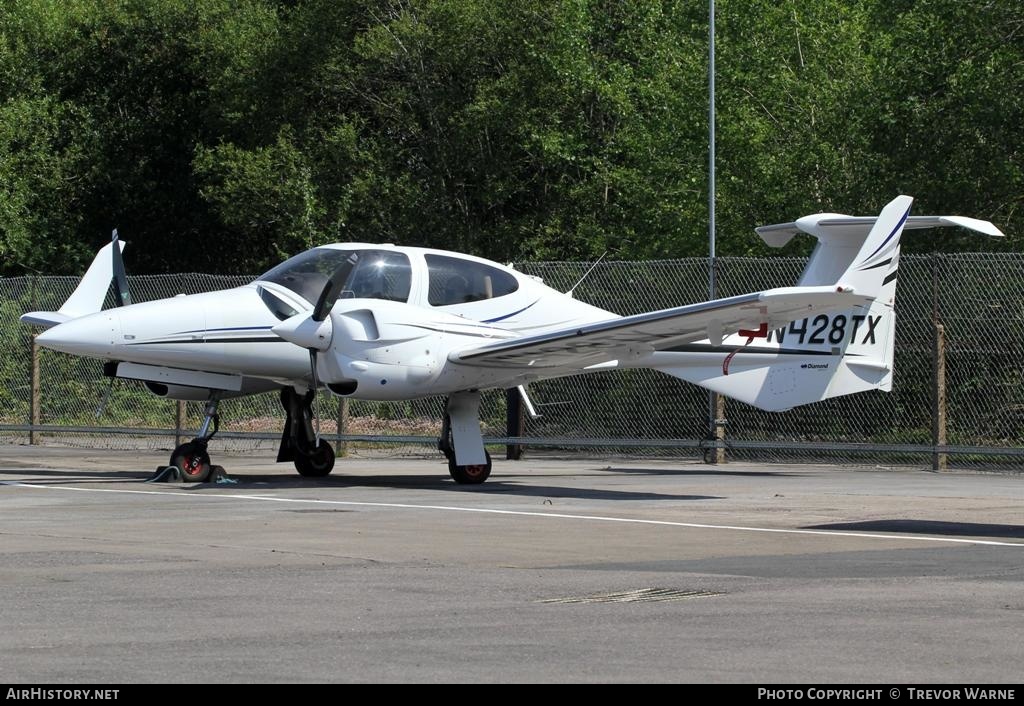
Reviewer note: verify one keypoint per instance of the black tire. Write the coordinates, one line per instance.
(470, 475)
(192, 462)
(317, 464)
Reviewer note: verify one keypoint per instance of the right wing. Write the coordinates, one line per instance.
(589, 344)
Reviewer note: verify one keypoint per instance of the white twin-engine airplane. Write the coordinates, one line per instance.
(382, 322)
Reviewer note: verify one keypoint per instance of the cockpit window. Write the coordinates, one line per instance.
(278, 307)
(375, 274)
(307, 273)
(457, 281)
(380, 274)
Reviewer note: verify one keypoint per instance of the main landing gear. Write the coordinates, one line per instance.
(313, 457)
(461, 441)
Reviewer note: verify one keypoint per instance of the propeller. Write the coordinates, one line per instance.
(332, 290)
(315, 331)
(121, 294)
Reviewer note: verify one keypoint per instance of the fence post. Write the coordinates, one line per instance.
(720, 429)
(513, 423)
(35, 413)
(179, 421)
(340, 448)
(939, 460)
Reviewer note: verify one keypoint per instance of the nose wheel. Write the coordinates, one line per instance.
(192, 460)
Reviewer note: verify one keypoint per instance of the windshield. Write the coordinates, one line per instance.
(377, 274)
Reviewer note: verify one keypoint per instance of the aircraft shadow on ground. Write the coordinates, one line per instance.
(65, 475)
(439, 483)
(932, 527)
(287, 481)
(698, 472)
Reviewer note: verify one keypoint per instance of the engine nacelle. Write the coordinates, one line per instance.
(179, 392)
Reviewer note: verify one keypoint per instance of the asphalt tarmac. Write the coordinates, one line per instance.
(553, 571)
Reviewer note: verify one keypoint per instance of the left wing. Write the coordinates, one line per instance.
(580, 346)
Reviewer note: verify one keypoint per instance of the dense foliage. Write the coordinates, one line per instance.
(221, 135)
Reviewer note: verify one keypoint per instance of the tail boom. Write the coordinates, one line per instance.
(828, 355)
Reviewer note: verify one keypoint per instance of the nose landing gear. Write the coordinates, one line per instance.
(191, 458)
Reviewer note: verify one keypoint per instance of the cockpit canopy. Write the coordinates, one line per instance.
(383, 274)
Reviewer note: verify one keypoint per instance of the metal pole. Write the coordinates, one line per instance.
(713, 404)
(711, 147)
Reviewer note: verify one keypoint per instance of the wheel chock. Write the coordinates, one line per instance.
(172, 474)
(219, 476)
(165, 474)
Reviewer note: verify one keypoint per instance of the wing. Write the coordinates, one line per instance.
(589, 344)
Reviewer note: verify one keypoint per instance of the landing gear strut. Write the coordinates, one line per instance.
(313, 457)
(461, 441)
(191, 458)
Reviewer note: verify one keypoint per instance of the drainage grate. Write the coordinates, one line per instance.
(637, 596)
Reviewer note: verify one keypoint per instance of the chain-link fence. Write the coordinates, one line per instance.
(977, 300)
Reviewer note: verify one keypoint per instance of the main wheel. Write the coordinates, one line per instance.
(317, 464)
(470, 475)
(193, 461)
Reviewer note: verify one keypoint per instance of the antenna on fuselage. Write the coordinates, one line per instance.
(586, 274)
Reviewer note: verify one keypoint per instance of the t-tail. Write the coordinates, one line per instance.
(826, 355)
(92, 289)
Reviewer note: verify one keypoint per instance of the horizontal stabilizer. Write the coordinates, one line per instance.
(44, 319)
(825, 226)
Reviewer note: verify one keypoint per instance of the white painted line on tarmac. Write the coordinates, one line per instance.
(519, 513)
